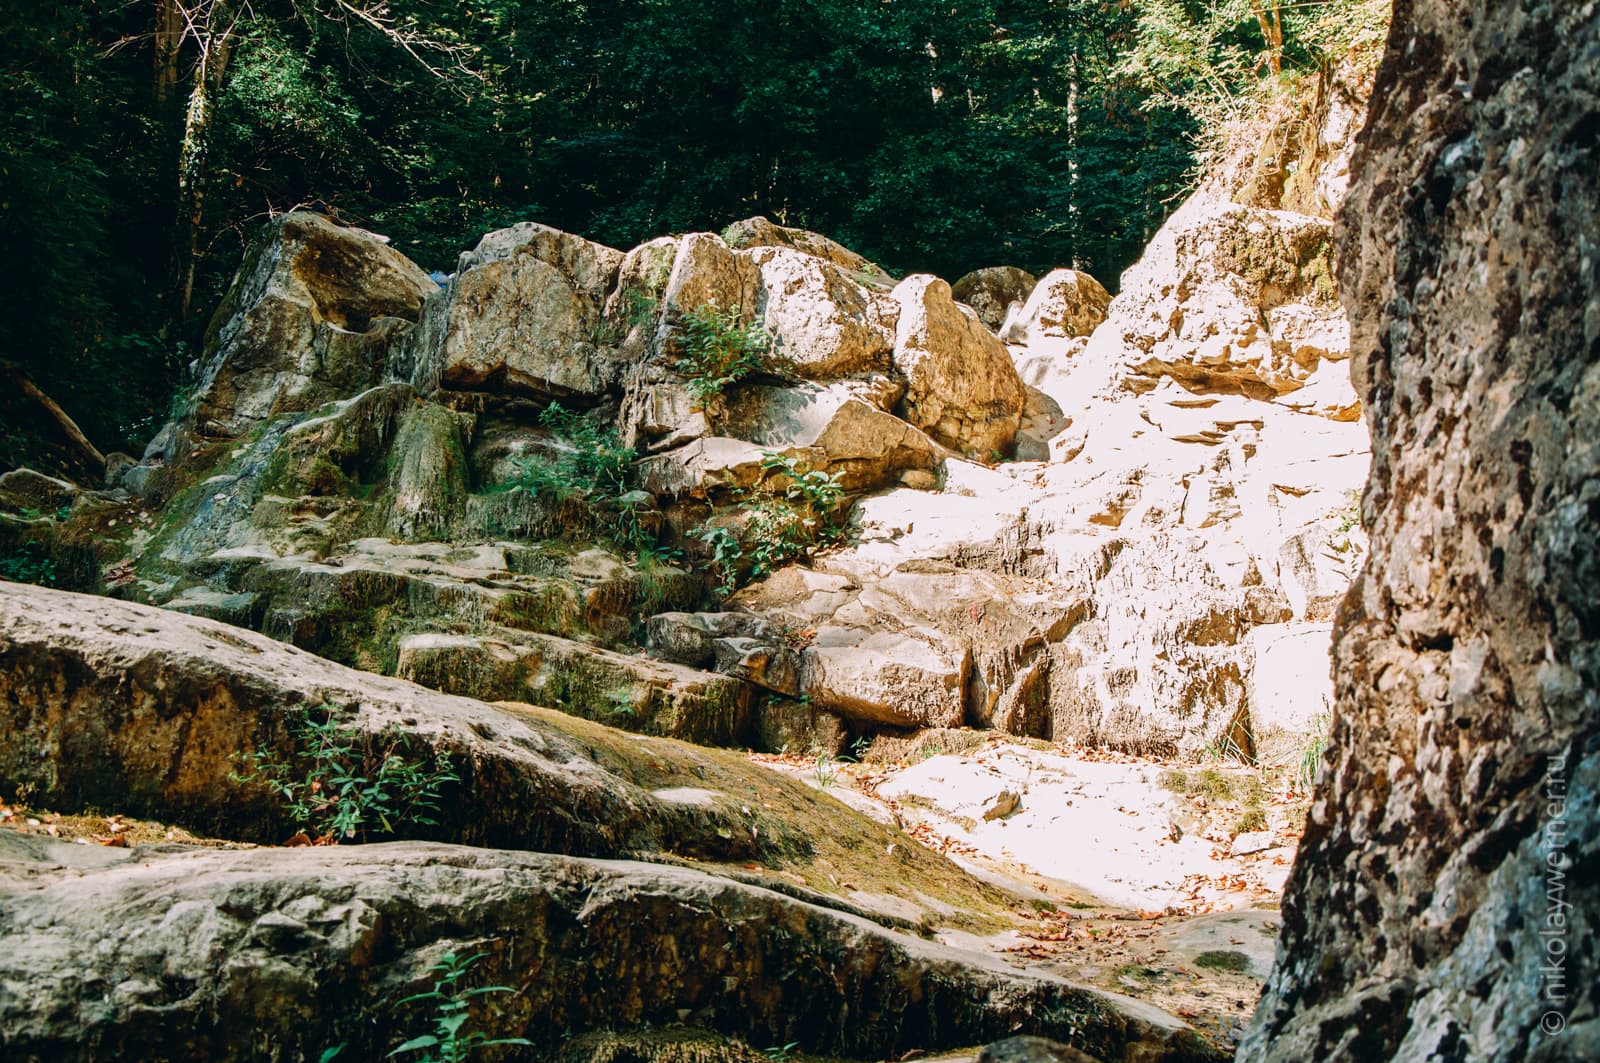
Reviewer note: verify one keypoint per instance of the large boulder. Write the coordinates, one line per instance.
(759, 232)
(991, 292)
(1234, 299)
(310, 317)
(1443, 902)
(835, 428)
(118, 706)
(824, 319)
(633, 693)
(524, 313)
(962, 388)
(165, 955)
(1067, 303)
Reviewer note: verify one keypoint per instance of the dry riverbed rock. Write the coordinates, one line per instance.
(161, 954)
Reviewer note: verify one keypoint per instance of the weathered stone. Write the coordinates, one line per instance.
(788, 726)
(759, 232)
(689, 638)
(522, 314)
(22, 489)
(708, 273)
(428, 477)
(304, 322)
(633, 307)
(992, 292)
(884, 678)
(1444, 899)
(1200, 304)
(962, 388)
(1065, 304)
(1033, 1050)
(824, 323)
(172, 955)
(827, 427)
(633, 693)
(775, 667)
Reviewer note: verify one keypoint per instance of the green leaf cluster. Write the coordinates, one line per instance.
(347, 785)
(450, 1041)
(781, 524)
(719, 350)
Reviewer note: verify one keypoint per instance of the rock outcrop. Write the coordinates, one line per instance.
(993, 291)
(207, 953)
(961, 386)
(523, 314)
(1443, 903)
(212, 955)
(309, 319)
(1066, 304)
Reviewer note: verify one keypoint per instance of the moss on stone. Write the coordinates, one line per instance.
(821, 845)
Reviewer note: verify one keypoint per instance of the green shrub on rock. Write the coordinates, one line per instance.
(343, 784)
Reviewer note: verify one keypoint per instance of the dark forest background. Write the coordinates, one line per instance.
(143, 142)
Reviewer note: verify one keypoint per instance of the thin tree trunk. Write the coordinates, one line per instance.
(168, 44)
(69, 427)
(1269, 15)
(194, 156)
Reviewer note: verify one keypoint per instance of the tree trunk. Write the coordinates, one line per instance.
(168, 44)
(193, 157)
(69, 427)
(1269, 15)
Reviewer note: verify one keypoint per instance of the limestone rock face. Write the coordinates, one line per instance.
(1443, 902)
(991, 292)
(633, 693)
(159, 701)
(962, 388)
(826, 320)
(524, 313)
(310, 317)
(835, 428)
(1067, 303)
(1236, 300)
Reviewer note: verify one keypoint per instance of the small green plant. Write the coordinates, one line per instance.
(827, 770)
(1223, 960)
(449, 1042)
(589, 464)
(1252, 818)
(591, 460)
(783, 522)
(29, 563)
(781, 1053)
(719, 351)
(345, 784)
(1311, 756)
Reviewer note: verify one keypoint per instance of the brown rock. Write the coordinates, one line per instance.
(1065, 304)
(962, 388)
(1452, 842)
(991, 292)
(305, 322)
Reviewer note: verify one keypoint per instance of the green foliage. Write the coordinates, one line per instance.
(592, 461)
(452, 1002)
(1311, 755)
(30, 562)
(719, 351)
(592, 467)
(781, 1053)
(345, 784)
(781, 523)
(1211, 61)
